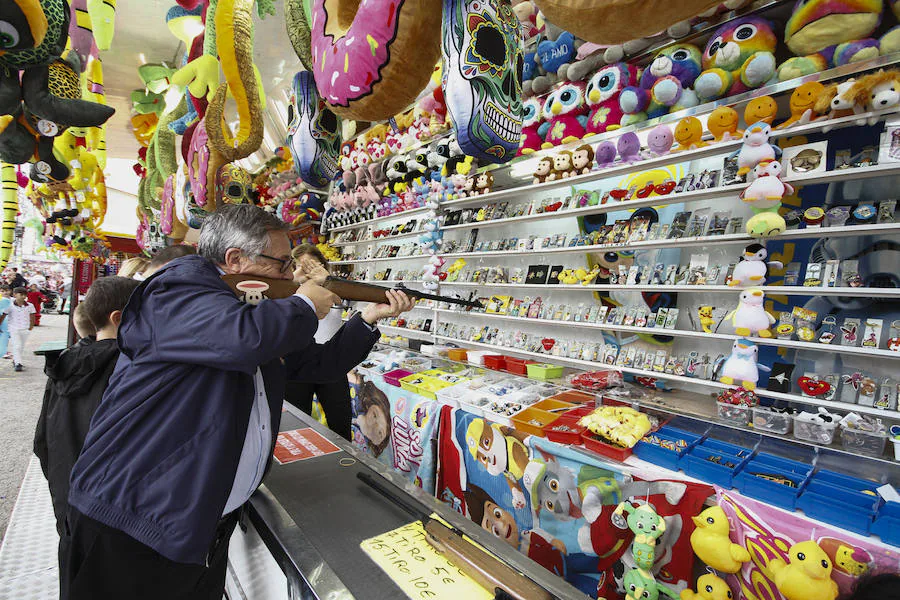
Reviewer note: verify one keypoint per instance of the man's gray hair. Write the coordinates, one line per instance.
(242, 226)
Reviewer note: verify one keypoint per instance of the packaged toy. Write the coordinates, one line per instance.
(739, 56)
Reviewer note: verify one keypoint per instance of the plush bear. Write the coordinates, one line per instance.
(602, 96)
(739, 56)
(827, 33)
(665, 85)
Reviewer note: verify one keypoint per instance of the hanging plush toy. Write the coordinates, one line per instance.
(641, 585)
(709, 587)
(739, 56)
(481, 81)
(314, 134)
(647, 527)
(808, 574)
(564, 115)
(712, 544)
(750, 317)
(829, 33)
(665, 85)
(602, 96)
(9, 194)
(741, 365)
(764, 196)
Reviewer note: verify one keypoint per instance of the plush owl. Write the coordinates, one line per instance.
(602, 96)
(531, 122)
(739, 56)
(666, 85)
(565, 114)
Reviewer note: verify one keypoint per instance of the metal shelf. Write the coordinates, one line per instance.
(370, 241)
(784, 290)
(693, 196)
(361, 261)
(677, 378)
(399, 215)
(734, 238)
(417, 334)
(794, 344)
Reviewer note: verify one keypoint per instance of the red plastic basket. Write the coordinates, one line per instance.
(571, 436)
(497, 363)
(595, 444)
(517, 366)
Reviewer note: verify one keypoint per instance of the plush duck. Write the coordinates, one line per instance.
(564, 112)
(712, 545)
(750, 317)
(807, 576)
(709, 587)
(756, 147)
(753, 268)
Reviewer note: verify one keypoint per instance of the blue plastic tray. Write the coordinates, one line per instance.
(841, 500)
(887, 524)
(663, 457)
(771, 491)
(697, 463)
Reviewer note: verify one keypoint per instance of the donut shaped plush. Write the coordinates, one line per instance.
(373, 58)
(198, 164)
(482, 77)
(167, 211)
(314, 133)
(618, 21)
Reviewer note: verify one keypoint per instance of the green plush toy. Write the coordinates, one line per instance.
(647, 527)
(640, 585)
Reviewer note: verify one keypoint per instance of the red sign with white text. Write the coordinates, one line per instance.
(300, 444)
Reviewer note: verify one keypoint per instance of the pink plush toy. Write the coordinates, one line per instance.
(531, 122)
(565, 112)
(602, 96)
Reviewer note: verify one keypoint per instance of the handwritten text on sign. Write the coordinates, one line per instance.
(300, 444)
(418, 569)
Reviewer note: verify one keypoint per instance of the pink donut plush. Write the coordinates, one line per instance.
(167, 213)
(198, 163)
(375, 67)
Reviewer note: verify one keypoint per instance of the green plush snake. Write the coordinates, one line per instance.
(298, 31)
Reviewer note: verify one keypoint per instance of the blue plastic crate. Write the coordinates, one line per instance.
(663, 457)
(751, 484)
(698, 463)
(720, 446)
(887, 523)
(841, 500)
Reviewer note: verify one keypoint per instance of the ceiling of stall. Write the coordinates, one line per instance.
(142, 36)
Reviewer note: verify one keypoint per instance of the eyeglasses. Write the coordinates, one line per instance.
(287, 264)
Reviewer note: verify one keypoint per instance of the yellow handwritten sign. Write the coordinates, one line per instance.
(418, 569)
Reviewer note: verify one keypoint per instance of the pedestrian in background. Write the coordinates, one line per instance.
(20, 317)
(36, 299)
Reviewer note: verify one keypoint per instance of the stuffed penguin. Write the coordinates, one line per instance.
(750, 317)
(741, 366)
(753, 268)
(396, 174)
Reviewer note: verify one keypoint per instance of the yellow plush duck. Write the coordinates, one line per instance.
(709, 587)
(807, 576)
(712, 545)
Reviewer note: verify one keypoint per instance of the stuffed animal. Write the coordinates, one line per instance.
(750, 317)
(836, 101)
(555, 50)
(605, 155)
(629, 147)
(807, 576)
(756, 147)
(484, 183)
(568, 277)
(712, 544)
(803, 104)
(664, 85)
(764, 196)
(739, 56)
(562, 166)
(582, 159)
(602, 95)
(640, 585)
(564, 115)
(723, 124)
(543, 170)
(647, 527)
(829, 33)
(660, 140)
(753, 267)
(762, 109)
(877, 91)
(709, 587)
(689, 134)
(707, 320)
(532, 119)
(741, 365)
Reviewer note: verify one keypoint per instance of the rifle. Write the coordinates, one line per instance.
(253, 289)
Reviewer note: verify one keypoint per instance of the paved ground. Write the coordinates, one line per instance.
(20, 405)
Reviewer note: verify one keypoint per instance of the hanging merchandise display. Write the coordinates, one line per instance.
(313, 133)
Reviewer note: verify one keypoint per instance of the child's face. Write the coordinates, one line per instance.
(20, 297)
(500, 523)
(374, 424)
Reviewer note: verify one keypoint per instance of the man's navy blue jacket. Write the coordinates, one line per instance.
(163, 448)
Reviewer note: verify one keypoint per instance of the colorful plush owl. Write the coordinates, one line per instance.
(602, 96)
(531, 122)
(738, 57)
(564, 112)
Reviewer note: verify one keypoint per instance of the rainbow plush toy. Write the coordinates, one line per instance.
(828, 33)
(738, 57)
(666, 85)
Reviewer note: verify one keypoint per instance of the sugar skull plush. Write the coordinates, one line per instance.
(531, 122)
(564, 115)
(739, 56)
(602, 96)
(314, 133)
(665, 85)
(827, 33)
(482, 77)
(233, 185)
